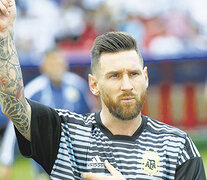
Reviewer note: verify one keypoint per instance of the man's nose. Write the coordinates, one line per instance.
(126, 84)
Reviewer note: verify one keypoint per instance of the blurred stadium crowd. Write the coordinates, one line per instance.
(162, 28)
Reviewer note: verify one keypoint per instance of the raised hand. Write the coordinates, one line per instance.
(7, 15)
(12, 99)
(115, 175)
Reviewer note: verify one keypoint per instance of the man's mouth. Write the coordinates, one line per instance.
(127, 99)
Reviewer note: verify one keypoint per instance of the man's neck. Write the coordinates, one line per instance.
(56, 84)
(118, 126)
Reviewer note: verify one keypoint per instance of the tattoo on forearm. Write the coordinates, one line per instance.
(12, 98)
(16, 111)
(2, 82)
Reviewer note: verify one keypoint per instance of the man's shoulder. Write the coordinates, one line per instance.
(40, 78)
(157, 127)
(73, 76)
(36, 85)
(73, 79)
(76, 118)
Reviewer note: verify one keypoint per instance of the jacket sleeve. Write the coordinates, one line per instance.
(45, 136)
(190, 164)
(191, 170)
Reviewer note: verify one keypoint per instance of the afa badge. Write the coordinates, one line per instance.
(151, 162)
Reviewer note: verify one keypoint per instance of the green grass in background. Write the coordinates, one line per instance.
(21, 170)
(204, 156)
(200, 140)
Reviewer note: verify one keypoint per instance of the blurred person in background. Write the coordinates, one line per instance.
(56, 87)
(3, 124)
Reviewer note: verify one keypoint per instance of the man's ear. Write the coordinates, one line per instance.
(146, 76)
(93, 84)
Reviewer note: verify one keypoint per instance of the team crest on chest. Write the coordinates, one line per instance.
(151, 162)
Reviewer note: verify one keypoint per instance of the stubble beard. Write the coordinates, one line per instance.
(124, 111)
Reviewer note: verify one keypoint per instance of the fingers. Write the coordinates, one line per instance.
(4, 5)
(5, 2)
(11, 3)
(92, 176)
(86, 175)
(111, 169)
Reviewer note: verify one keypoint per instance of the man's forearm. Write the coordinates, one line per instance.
(12, 98)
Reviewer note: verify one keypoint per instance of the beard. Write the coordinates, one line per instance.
(124, 111)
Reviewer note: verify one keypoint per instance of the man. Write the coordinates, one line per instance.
(116, 143)
(3, 123)
(56, 87)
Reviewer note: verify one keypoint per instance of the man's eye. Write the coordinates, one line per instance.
(114, 75)
(133, 73)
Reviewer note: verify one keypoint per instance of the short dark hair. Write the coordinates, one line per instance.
(112, 42)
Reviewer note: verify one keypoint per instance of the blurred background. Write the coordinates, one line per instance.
(172, 37)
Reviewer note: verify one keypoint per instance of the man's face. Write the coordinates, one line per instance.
(122, 83)
(54, 66)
